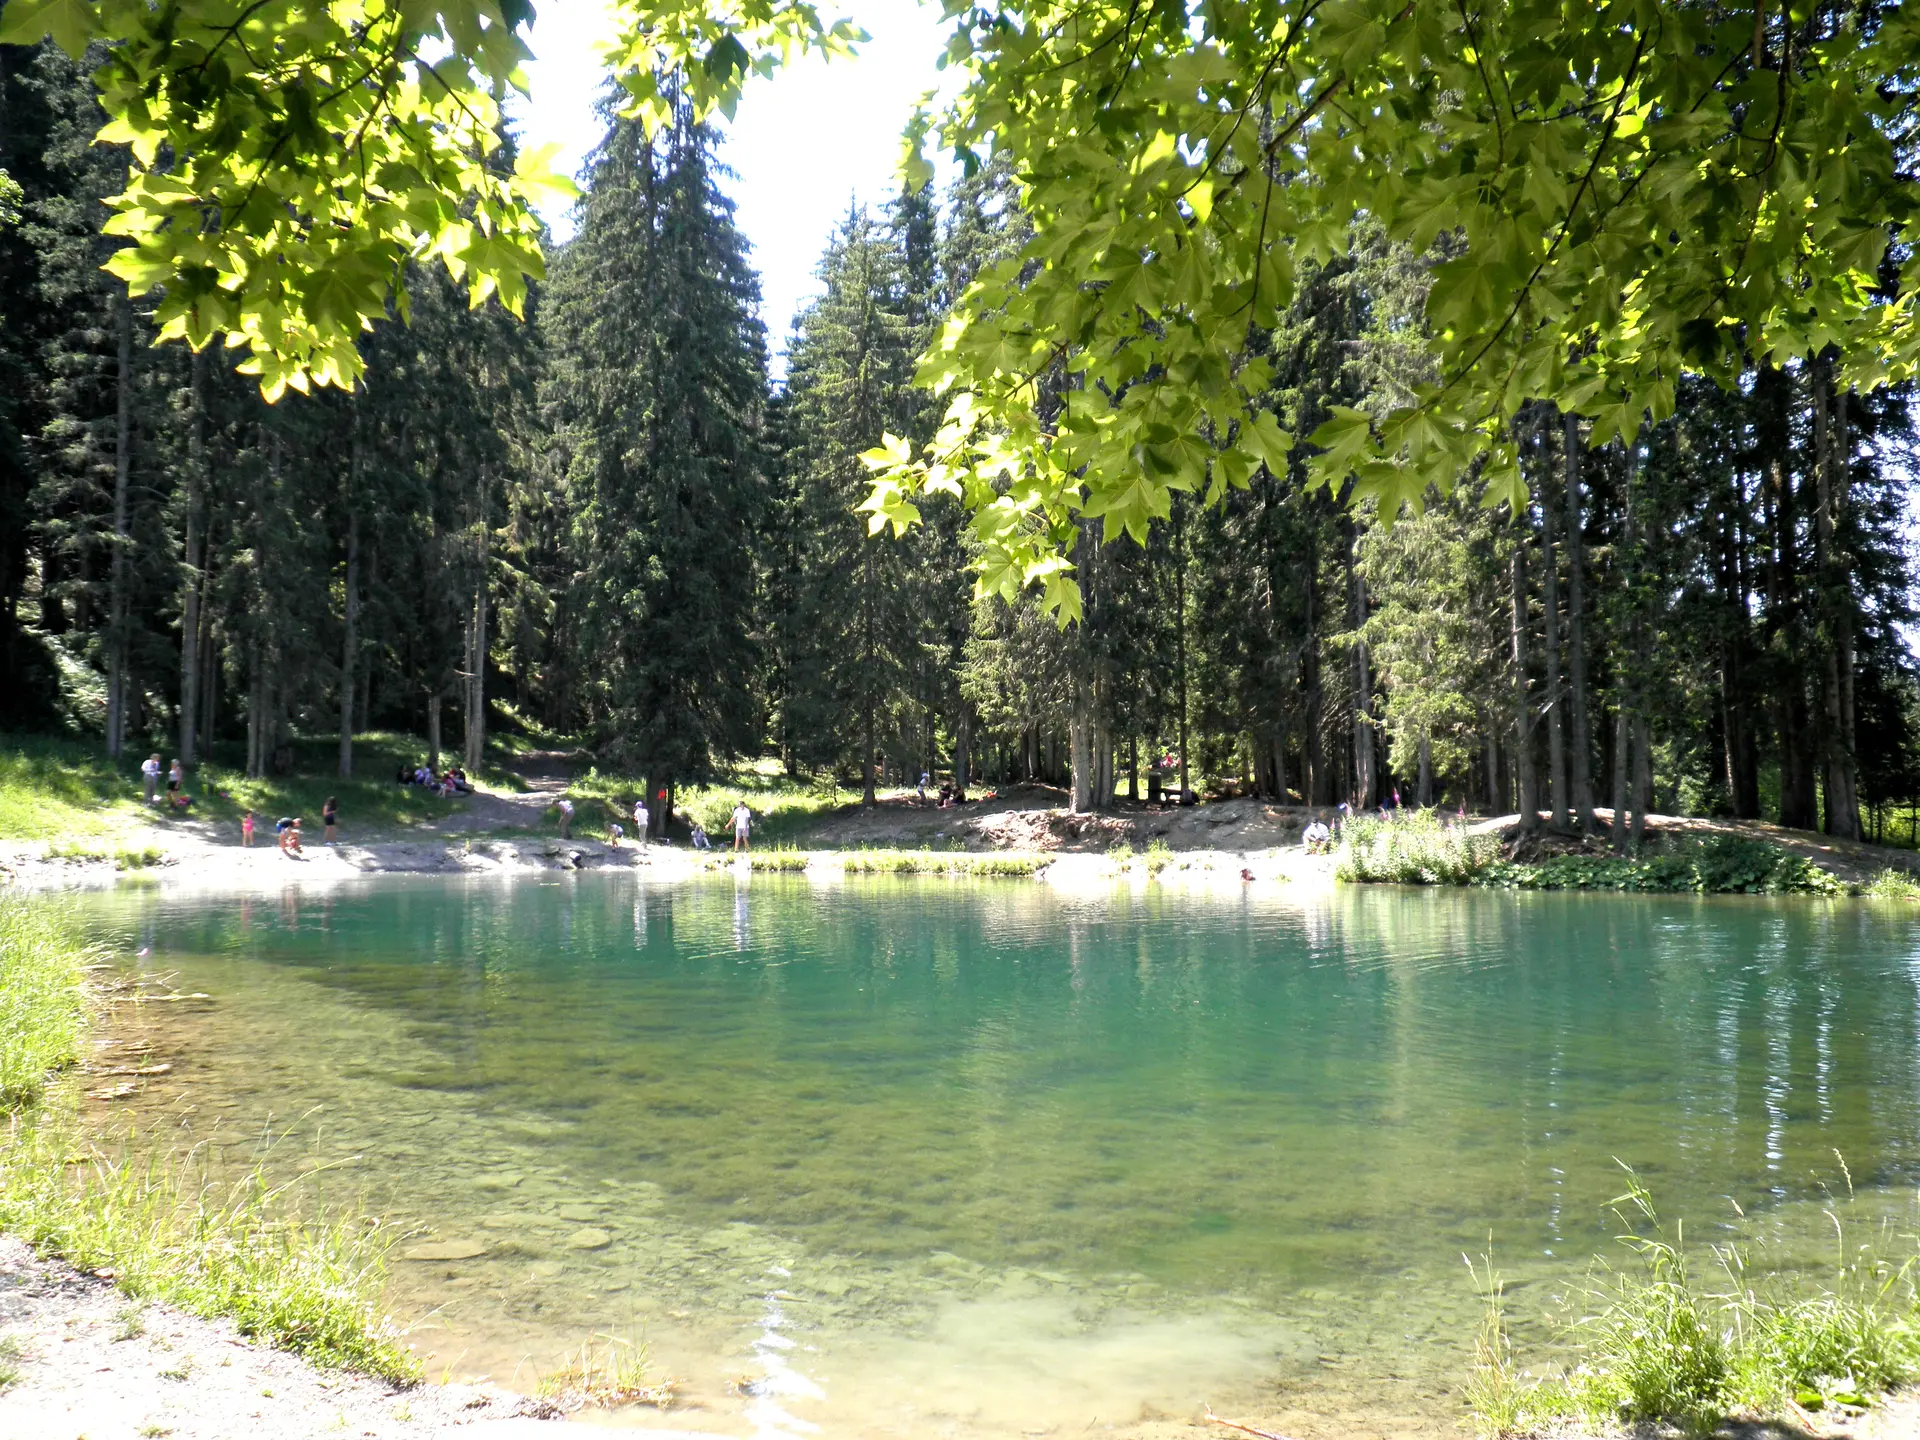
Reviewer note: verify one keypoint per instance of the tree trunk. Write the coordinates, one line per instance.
(192, 562)
(1836, 604)
(1365, 771)
(1494, 793)
(1579, 731)
(868, 797)
(256, 704)
(1522, 694)
(963, 749)
(1642, 777)
(1080, 745)
(477, 677)
(1621, 734)
(1426, 771)
(1557, 798)
(1180, 641)
(433, 731)
(350, 642)
(117, 563)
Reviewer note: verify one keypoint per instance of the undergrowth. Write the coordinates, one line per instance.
(1660, 1346)
(1422, 849)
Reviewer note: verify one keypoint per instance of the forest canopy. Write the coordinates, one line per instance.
(1628, 192)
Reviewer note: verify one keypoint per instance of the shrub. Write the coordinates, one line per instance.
(1413, 850)
(1711, 865)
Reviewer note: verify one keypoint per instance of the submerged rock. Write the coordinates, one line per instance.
(589, 1239)
(445, 1250)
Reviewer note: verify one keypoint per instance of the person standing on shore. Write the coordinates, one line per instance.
(565, 808)
(150, 774)
(742, 824)
(176, 777)
(329, 816)
(640, 818)
(246, 831)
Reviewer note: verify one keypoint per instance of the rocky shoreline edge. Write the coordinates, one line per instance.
(87, 1361)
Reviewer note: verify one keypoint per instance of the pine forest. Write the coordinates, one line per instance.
(612, 522)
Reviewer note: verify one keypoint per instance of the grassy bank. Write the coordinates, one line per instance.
(162, 1225)
(1423, 850)
(888, 861)
(67, 791)
(1660, 1345)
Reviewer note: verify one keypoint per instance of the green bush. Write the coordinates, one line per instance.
(1416, 849)
(1711, 865)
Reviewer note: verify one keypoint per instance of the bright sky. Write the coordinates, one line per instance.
(803, 146)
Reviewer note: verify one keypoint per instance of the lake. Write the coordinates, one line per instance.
(898, 1157)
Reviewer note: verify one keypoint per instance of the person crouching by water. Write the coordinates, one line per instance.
(565, 808)
(614, 832)
(288, 828)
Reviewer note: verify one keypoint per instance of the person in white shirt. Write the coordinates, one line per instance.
(566, 818)
(150, 772)
(640, 820)
(742, 824)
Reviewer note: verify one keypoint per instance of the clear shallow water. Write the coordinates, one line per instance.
(910, 1158)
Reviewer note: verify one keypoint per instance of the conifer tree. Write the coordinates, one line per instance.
(658, 394)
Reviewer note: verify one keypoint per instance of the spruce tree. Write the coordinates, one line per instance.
(658, 396)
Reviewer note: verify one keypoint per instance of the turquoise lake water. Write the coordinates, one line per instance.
(920, 1157)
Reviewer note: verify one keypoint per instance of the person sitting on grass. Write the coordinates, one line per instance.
(288, 828)
(1317, 838)
(700, 841)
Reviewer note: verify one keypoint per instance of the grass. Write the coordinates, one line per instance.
(783, 807)
(887, 861)
(1660, 1347)
(303, 1279)
(1422, 850)
(42, 1008)
(167, 1230)
(1891, 884)
(9, 1361)
(66, 790)
(613, 1371)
